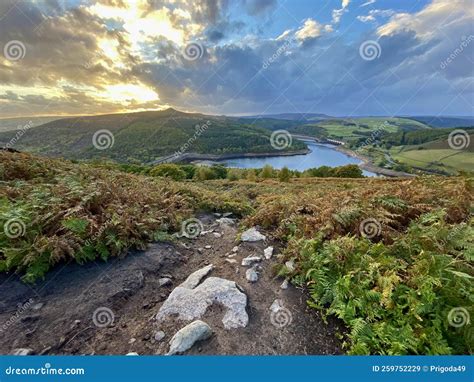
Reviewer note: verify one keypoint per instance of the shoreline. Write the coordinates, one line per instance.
(189, 157)
(369, 166)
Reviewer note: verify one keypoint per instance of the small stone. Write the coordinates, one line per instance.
(208, 247)
(37, 306)
(252, 235)
(132, 340)
(132, 353)
(290, 265)
(227, 214)
(276, 306)
(268, 252)
(200, 250)
(195, 278)
(235, 249)
(159, 335)
(250, 260)
(164, 281)
(217, 214)
(284, 285)
(216, 234)
(231, 261)
(186, 337)
(22, 351)
(225, 221)
(251, 275)
(231, 255)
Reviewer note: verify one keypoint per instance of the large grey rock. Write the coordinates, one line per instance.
(190, 301)
(164, 281)
(186, 337)
(250, 260)
(252, 235)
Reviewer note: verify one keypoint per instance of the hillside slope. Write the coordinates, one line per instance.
(145, 136)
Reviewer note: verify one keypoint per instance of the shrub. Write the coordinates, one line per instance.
(168, 170)
(397, 298)
(284, 174)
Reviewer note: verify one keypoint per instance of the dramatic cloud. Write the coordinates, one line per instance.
(234, 57)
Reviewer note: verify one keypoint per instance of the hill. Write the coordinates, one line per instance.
(146, 136)
(444, 122)
(392, 262)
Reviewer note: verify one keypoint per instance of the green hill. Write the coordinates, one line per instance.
(146, 136)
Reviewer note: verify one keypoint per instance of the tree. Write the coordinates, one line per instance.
(348, 171)
(284, 174)
(168, 170)
(267, 172)
(233, 174)
(204, 173)
(252, 175)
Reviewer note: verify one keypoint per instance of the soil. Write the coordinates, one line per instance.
(55, 316)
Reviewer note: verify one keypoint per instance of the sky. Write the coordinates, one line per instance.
(237, 57)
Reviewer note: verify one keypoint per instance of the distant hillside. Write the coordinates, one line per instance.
(293, 116)
(441, 122)
(9, 124)
(146, 136)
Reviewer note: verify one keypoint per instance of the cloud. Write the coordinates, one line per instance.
(337, 13)
(310, 30)
(368, 3)
(374, 13)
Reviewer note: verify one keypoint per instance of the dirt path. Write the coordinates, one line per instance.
(56, 316)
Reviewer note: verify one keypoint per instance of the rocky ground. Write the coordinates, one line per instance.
(210, 294)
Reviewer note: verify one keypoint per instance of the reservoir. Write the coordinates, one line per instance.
(320, 155)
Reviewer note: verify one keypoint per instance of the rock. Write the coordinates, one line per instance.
(159, 335)
(225, 221)
(231, 255)
(22, 351)
(284, 284)
(206, 232)
(132, 353)
(235, 249)
(164, 281)
(231, 261)
(217, 214)
(251, 275)
(252, 235)
(276, 306)
(200, 250)
(132, 340)
(268, 252)
(186, 337)
(37, 306)
(217, 234)
(208, 247)
(250, 260)
(189, 301)
(227, 214)
(290, 265)
(195, 278)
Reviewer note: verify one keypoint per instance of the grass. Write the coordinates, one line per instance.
(394, 289)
